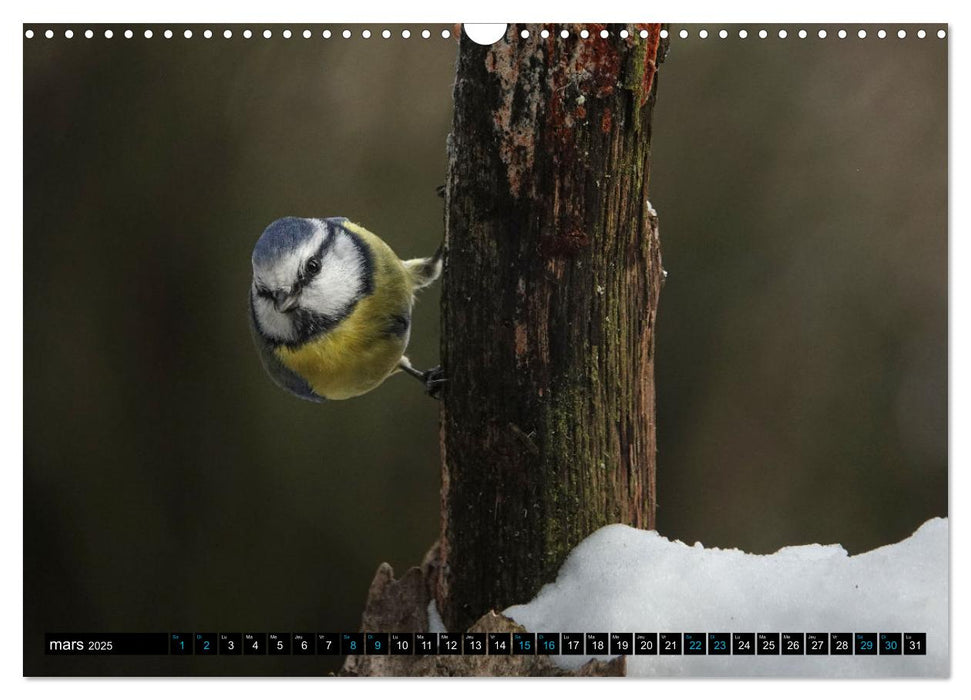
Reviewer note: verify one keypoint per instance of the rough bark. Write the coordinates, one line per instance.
(399, 605)
(549, 303)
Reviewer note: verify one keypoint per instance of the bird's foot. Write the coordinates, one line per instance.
(434, 380)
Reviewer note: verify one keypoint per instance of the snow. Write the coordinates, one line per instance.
(435, 623)
(620, 579)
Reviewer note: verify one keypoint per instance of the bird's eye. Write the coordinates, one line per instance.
(313, 266)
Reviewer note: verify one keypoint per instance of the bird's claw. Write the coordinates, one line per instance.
(434, 380)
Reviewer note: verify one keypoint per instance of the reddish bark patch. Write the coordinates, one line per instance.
(579, 76)
(653, 41)
(521, 340)
(565, 246)
(580, 70)
(598, 62)
(606, 121)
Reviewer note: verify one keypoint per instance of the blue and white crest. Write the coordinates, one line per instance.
(288, 234)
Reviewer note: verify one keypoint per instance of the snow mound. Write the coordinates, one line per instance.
(620, 579)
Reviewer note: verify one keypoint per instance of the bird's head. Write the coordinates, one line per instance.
(307, 275)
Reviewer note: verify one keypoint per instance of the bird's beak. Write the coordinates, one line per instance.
(283, 301)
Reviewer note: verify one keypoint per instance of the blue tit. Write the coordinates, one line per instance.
(330, 307)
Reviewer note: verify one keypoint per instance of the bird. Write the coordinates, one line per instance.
(330, 308)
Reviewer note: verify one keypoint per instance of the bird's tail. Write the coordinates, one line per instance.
(424, 271)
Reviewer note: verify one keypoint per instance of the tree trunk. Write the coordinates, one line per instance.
(549, 301)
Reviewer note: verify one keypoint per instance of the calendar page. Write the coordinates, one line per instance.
(486, 350)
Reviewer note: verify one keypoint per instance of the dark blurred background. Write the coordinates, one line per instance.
(169, 486)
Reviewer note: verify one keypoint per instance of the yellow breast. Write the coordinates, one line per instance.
(359, 353)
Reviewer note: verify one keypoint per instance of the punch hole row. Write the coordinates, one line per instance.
(801, 33)
(245, 34)
(584, 33)
(447, 34)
